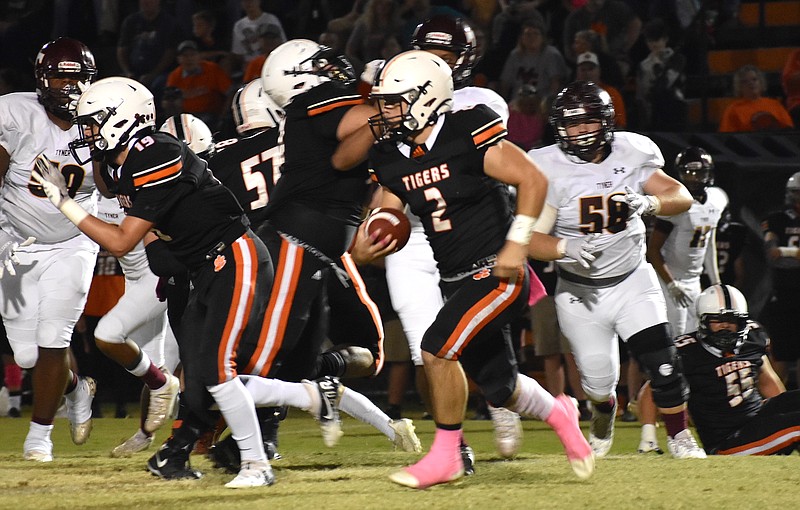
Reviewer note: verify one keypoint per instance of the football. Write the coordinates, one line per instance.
(390, 222)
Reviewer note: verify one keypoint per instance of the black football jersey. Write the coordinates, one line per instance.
(164, 182)
(249, 166)
(465, 213)
(785, 225)
(333, 199)
(731, 241)
(724, 388)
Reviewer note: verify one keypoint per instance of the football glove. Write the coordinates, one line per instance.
(51, 180)
(580, 249)
(638, 204)
(8, 248)
(679, 294)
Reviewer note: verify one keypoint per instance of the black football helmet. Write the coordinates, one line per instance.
(724, 303)
(695, 170)
(63, 58)
(583, 102)
(443, 32)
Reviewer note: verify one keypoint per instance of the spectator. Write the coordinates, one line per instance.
(751, 111)
(660, 81)
(380, 20)
(268, 40)
(525, 120)
(205, 85)
(790, 79)
(589, 70)
(533, 62)
(211, 46)
(589, 40)
(343, 25)
(613, 20)
(244, 44)
(146, 46)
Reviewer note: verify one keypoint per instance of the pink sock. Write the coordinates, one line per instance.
(564, 420)
(442, 463)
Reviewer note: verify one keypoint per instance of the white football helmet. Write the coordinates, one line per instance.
(253, 109)
(793, 190)
(412, 90)
(299, 65)
(192, 131)
(723, 303)
(109, 112)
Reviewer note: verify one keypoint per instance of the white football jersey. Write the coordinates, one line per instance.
(134, 263)
(471, 96)
(582, 195)
(26, 132)
(685, 248)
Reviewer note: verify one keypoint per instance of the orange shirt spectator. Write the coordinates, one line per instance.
(790, 79)
(268, 40)
(752, 112)
(204, 84)
(589, 70)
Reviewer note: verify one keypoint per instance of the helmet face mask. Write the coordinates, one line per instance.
(696, 170)
(411, 90)
(580, 105)
(454, 35)
(61, 68)
(108, 113)
(722, 303)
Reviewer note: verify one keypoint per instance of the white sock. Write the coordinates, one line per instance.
(649, 433)
(15, 401)
(238, 409)
(533, 400)
(361, 408)
(38, 431)
(142, 367)
(276, 393)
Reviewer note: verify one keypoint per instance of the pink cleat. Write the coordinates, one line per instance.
(442, 464)
(564, 420)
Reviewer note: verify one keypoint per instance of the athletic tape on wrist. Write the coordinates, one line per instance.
(521, 229)
(73, 211)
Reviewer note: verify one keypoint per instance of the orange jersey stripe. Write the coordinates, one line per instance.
(225, 361)
(363, 295)
(169, 171)
(491, 131)
(328, 107)
(781, 439)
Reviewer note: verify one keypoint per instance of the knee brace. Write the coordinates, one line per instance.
(658, 357)
(348, 362)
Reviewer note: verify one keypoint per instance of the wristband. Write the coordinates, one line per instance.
(656, 204)
(788, 251)
(521, 229)
(561, 247)
(74, 212)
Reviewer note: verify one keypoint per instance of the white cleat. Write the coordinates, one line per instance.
(38, 450)
(136, 443)
(507, 431)
(79, 409)
(404, 436)
(162, 401)
(325, 395)
(252, 474)
(601, 431)
(683, 446)
(649, 446)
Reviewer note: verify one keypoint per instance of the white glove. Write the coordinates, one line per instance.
(679, 294)
(8, 247)
(638, 204)
(579, 249)
(52, 181)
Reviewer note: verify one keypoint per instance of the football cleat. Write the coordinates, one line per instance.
(38, 450)
(162, 401)
(172, 463)
(646, 446)
(601, 430)
(683, 446)
(225, 454)
(325, 394)
(136, 443)
(564, 420)
(468, 458)
(79, 409)
(252, 474)
(507, 431)
(404, 436)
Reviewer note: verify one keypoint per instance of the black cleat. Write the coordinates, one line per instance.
(171, 463)
(225, 454)
(468, 458)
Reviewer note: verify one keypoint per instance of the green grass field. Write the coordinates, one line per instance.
(354, 475)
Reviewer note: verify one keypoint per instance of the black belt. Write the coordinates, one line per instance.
(593, 282)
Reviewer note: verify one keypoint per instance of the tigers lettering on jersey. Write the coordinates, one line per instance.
(426, 177)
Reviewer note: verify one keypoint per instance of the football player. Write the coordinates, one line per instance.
(783, 256)
(43, 296)
(601, 183)
(451, 168)
(681, 246)
(738, 403)
(411, 273)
